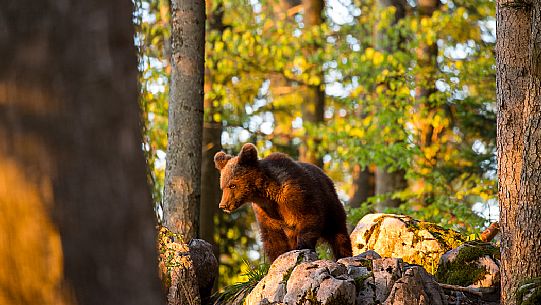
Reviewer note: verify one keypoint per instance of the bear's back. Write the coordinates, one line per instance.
(316, 185)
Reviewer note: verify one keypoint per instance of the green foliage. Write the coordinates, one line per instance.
(236, 293)
(151, 18)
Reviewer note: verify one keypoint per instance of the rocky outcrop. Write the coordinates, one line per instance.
(468, 274)
(273, 287)
(320, 282)
(416, 287)
(296, 277)
(416, 242)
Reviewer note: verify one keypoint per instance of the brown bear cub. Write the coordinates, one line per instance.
(295, 203)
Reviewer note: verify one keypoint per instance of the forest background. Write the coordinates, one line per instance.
(394, 99)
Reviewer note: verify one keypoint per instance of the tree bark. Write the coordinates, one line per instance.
(388, 182)
(77, 220)
(182, 191)
(518, 50)
(212, 143)
(363, 186)
(313, 105)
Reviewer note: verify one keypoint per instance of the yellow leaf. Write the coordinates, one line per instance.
(378, 58)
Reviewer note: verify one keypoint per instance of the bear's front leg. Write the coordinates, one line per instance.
(307, 238)
(274, 242)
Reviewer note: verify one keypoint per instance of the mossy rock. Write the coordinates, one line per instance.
(529, 292)
(416, 242)
(466, 265)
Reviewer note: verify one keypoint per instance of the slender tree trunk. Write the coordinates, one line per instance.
(313, 106)
(212, 143)
(210, 180)
(182, 192)
(518, 50)
(389, 181)
(77, 221)
(363, 186)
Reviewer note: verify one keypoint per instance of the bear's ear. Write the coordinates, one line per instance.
(220, 160)
(248, 154)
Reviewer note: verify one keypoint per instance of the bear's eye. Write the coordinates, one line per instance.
(232, 186)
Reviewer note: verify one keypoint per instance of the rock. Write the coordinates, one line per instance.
(416, 287)
(473, 264)
(529, 292)
(399, 236)
(272, 288)
(386, 272)
(320, 282)
(359, 268)
(206, 267)
(370, 254)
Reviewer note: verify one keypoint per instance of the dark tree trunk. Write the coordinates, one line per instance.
(182, 191)
(518, 50)
(388, 182)
(313, 105)
(212, 143)
(73, 189)
(363, 186)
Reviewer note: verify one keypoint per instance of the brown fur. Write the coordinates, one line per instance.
(295, 203)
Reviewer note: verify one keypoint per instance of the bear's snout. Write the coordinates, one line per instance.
(223, 206)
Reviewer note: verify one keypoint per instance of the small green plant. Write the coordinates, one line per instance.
(236, 293)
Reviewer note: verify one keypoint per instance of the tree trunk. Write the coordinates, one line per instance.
(313, 106)
(212, 143)
(363, 186)
(182, 191)
(77, 220)
(388, 182)
(210, 180)
(518, 50)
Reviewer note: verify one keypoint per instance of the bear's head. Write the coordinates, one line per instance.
(237, 176)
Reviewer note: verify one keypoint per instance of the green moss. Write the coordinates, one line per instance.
(359, 281)
(529, 292)
(463, 270)
(367, 263)
(287, 275)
